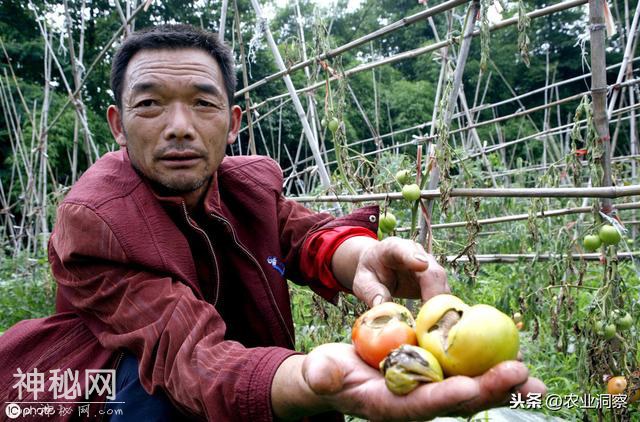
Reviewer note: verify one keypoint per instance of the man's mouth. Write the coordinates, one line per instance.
(177, 159)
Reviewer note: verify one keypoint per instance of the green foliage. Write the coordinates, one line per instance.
(26, 290)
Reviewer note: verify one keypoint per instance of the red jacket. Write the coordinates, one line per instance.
(127, 279)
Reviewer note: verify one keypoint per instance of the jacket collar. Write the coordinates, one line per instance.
(210, 202)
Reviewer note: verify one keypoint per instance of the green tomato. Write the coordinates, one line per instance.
(591, 242)
(411, 192)
(609, 331)
(609, 235)
(598, 328)
(387, 222)
(403, 177)
(333, 125)
(625, 322)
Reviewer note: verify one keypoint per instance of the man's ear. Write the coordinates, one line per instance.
(115, 124)
(234, 125)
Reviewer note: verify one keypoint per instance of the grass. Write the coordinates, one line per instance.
(553, 353)
(27, 290)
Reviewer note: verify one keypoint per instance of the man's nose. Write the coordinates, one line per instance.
(179, 125)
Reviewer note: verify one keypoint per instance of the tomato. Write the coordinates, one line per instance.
(625, 321)
(403, 177)
(609, 331)
(591, 242)
(520, 325)
(609, 235)
(333, 124)
(618, 384)
(466, 340)
(381, 329)
(598, 328)
(387, 222)
(411, 192)
(517, 317)
(407, 366)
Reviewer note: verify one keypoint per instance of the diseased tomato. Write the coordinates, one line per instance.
(466, 340)
(380, 330)
(618, 385)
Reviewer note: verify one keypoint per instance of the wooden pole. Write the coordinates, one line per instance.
(599, 192)
(599, 92)
(313, 143)
(463, 53)
(245, 79)
(223, 19)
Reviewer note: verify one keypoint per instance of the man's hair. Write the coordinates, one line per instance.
(172, 37)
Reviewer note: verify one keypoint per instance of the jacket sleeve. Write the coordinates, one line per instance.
(298, 224)
(177, 338)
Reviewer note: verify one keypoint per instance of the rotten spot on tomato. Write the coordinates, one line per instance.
(444, 325)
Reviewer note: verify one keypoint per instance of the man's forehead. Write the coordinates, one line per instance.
(194, 65)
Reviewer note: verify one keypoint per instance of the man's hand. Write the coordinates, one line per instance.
(376, 271)
(334, 377)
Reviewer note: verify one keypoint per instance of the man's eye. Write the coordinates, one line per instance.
(146, 103)
(205, 103)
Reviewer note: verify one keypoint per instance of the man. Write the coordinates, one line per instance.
(172, 263)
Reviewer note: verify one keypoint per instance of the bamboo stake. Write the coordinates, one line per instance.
(516, 258)
(599, 92)
(245, 79)
(628, 51)
(436, 46)
(223, 19)
(362, 40)
(434, 175)
(313, 143)
(599, 192)
(542, 214)
(536, 136)
(372, 130)
(97, 60)
(310, 96)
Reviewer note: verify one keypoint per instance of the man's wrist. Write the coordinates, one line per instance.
(291, 396)
(346, 258)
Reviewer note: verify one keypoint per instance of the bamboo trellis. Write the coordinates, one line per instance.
(463, 117)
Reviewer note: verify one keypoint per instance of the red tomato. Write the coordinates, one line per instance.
(380, 330)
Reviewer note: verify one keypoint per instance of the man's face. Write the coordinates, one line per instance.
(175, 119)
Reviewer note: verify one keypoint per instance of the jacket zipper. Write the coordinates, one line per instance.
(213, 255)
(264, 276)
(115, 369)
